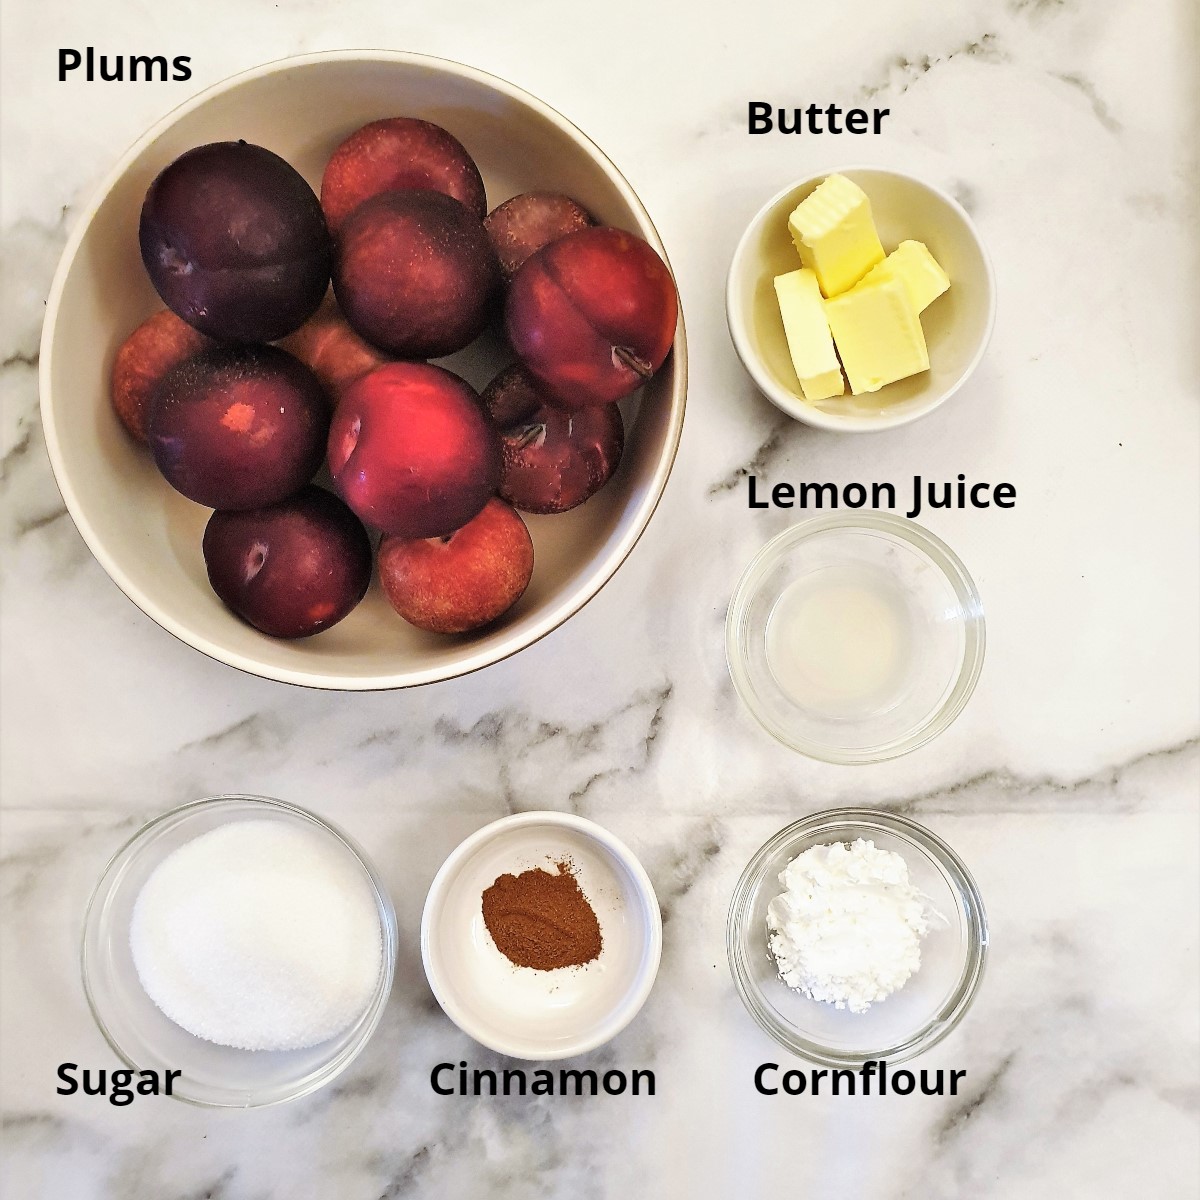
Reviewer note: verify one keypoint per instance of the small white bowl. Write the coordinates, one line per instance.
(957, 325)
(532, 1014)
(147, 536)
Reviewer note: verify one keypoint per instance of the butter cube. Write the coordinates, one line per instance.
(878, 334)
(917, 269)
(835, 235)
(808, 336)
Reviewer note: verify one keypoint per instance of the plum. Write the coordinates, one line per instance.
(462, 581)
(159, 343)
(327, 345)
(289, 569)
(415, 274)
(412, 451)
(395, 154)
(238, 426)
(235, 242)
(527, 222)
(592, 315)
(512, 396)
(553, 460)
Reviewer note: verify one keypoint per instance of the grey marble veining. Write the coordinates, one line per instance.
(1069, 785)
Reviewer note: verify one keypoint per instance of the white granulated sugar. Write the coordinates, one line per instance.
(258, 935)
(847, 928)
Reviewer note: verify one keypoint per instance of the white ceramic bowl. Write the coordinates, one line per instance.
(957, 325)
(517, 1010)
(147, 537)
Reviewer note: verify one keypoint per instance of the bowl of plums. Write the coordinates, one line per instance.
(363, 370)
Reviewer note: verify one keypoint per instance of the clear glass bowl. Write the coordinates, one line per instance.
(915, 665)
(910, 1020)
(146, 1039)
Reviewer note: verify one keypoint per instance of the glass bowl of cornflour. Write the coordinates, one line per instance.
(244, 944)
(855, 638)
(843, 958)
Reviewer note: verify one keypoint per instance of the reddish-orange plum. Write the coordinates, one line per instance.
(415, 274)
(238, 426)
(463, 581)
(159, 343)
(327, 345)
(554, 460)
(523, 225)
(592, 315)
(395, 154)
(412, 451)
(291, 569)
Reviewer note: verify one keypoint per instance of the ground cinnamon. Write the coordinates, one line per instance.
(541, 920)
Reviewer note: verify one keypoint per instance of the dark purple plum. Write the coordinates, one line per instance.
(235, 242)
(554, 459)
(415, 273)
(512, 396)
(523, 225)
(290, 569)
(238, 426)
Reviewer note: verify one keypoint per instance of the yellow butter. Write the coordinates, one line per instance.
(835, 234)
(878, 334)
(917, 269)
(809, 340)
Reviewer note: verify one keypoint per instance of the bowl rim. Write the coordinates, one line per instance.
(921, 839)
(623, 1012)
(387, 923)
(795, 406)
(566, 608)
(933, 549)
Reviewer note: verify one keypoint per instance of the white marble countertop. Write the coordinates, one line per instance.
(1069, 785)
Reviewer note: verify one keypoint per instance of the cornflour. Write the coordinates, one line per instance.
(847, 928)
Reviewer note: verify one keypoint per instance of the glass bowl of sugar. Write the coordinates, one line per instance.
(855, 639)
(242, 943)
(844, 922)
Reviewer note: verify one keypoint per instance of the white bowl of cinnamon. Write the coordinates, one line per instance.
(541, 936)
